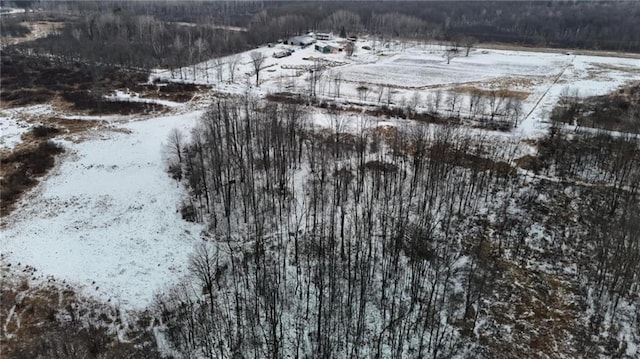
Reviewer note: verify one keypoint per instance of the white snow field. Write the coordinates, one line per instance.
(423, 69)
(106, 217)
(415, 68)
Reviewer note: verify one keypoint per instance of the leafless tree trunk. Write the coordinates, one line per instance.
(337, 80)
(176, 143)
(204, 265)
(232, 64)
(469, 43)
(437, 100)
(257, 61)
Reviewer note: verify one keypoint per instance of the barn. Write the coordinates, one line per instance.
(301, 41)
(324, 35)
(327, 49)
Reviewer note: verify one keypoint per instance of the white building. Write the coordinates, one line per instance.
(324, 36)
(301, 40)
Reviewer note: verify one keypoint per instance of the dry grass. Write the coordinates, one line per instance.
(539, 312)
(27, 310)
(633, 70)
(40, 319)
(503, 92)
(38, 29)
(521, 82)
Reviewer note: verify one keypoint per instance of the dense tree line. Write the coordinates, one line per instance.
(600, 178)
(147, 34)
(554, 23)
(618, 111)
(318, 233)
(13, 26)
(387, 243)
(119, 38)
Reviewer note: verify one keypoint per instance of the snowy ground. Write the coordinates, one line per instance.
(11, 129)
(106, 216)
(423, 69)
(120, 95)
(14, 122)
(10, 11)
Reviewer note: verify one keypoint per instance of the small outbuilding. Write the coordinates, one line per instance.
(326, 49)
(301, 40)
(281, 54)
(324, 35)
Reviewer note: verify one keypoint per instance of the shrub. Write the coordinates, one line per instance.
(28, 164)
(188, 213)
(44, 131)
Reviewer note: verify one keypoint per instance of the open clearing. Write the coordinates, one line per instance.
(536, 77)
(106, 216)
(418, 69)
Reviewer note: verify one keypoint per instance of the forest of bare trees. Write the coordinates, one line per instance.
(122, 39)
(391, 243)
(432, 238)
(576, 24)
(147, 34)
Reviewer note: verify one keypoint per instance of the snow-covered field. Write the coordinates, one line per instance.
(106, 216)
(423, 69)
(416, 68)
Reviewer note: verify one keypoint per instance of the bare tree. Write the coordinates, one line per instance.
(337, 80)
(349, 48)
(389, 96)
(453, 100)
(468, 42)
(414, 101)
(218, 64)
(454, 44)
(473, 104)
(437, 100)
(201, 46)
(158, 45)
(380, 92)
(569, 95)
(203, 264)
(257, 60)
(515, 109)
(450, 54)
(178, 46)
(175, 143)
(315, 74)
(363, 92)
(232, 63)
(495, 101)
(191, 50)
(343, 19)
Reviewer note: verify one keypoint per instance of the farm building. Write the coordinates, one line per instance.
(281, 54)
(301, 40)
(327, 49)
(324, 35)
